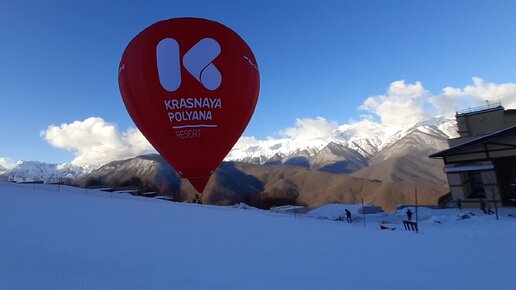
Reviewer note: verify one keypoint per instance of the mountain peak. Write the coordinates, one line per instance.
(350, 148)
(366, 137)
(24, 171)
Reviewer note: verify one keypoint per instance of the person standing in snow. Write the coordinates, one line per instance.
(348, 216)
(409, 214)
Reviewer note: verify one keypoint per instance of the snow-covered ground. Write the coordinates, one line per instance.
(78, 239)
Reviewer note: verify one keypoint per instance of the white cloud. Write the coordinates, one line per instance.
(405, 104)
(474, 95)
(96, 141)
(364, 117)
(402, 104)
(449, 101)
(6, 163)
(246, 141)
(308, 128)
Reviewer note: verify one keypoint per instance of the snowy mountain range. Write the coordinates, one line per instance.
(29, 171)
(351, 148)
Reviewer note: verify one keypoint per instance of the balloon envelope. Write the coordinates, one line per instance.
(191, 86)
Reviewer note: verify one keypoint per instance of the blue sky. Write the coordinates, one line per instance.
(58, 59)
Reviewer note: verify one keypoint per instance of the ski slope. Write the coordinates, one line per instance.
(78, 239)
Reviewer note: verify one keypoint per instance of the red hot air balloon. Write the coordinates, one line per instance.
(191, 86)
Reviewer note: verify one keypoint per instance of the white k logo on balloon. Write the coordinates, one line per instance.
(197, 61)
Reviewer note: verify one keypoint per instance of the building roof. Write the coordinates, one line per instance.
(477, 141)
(479, 110)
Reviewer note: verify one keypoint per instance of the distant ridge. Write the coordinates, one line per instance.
(362, 160)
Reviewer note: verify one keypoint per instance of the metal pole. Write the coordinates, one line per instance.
(492, 182)
(363, 211)
(494, 201)
(494, 188)
(417, 218)
(361, 198)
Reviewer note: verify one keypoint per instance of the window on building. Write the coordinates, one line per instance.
(476, 185)
(512, 185)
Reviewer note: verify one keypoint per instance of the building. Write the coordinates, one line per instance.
(481, 163)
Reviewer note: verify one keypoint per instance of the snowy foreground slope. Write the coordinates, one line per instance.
(78, 239)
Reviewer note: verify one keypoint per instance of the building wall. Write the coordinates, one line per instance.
(479, 123)
(510, 117)
(460, 188)
(483, 184)
(475, 125)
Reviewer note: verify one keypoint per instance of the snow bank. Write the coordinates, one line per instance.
(77, 239)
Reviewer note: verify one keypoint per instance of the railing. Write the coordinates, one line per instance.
(487, 106)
